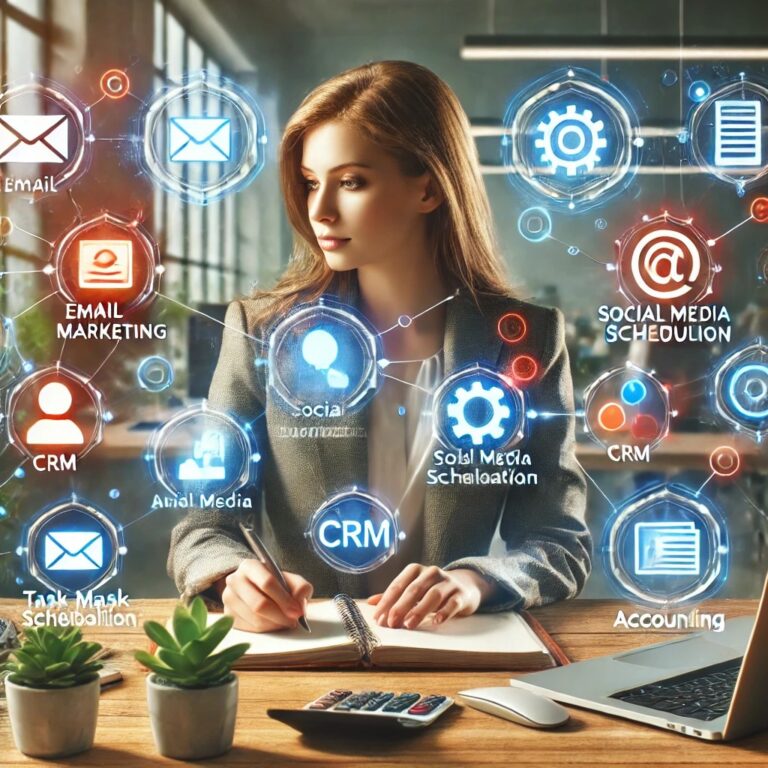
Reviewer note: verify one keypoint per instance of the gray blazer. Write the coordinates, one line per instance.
(548, 545)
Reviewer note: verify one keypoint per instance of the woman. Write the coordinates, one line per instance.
(383, 190)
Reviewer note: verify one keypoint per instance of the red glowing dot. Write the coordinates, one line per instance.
(524, 368)
(512, 327)
(115, 84)
(611, 417)
(759, 209)
(645, 427)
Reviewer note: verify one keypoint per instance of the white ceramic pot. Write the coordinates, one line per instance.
(192, 723)
(53, 722)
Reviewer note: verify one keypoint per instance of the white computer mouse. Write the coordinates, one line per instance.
(516, 704)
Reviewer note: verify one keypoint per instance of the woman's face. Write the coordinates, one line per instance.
(362, 208)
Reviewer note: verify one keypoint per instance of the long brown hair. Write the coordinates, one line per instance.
(409, 111)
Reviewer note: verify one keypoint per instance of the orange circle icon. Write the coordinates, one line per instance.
(724, 461)
(611, 417)
(115, 84)
(512, 327)
(524, 368)
(759, 209)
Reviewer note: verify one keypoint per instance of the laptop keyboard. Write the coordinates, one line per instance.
(704, 694)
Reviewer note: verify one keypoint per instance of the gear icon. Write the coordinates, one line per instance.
(571, 140)
(492, 427)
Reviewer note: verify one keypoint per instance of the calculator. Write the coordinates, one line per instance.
(365, 712)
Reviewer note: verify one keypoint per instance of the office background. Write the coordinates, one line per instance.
(279, 51)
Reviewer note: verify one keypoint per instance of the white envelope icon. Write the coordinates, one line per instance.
(34, 138)
(199, 139)
(73, 550)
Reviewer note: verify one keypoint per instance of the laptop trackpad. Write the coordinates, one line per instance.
(693, 652)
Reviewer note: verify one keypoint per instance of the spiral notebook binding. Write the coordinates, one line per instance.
(356, 626)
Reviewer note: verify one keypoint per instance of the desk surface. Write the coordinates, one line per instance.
(463, 737)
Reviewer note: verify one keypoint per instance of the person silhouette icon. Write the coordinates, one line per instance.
(54, 400)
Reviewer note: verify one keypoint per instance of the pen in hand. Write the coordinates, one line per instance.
(263, 554)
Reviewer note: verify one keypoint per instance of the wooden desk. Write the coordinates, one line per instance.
(463, 737)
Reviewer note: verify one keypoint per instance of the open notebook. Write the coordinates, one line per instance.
(344, 634)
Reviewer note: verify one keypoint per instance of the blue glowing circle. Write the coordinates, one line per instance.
(73, 546)
(354, 532)
(155, 374)
(668, 77)
(535, 224)
(698, 91)
(319, 349)
(19, 472)
(601, 224)
(633, 392)
(3, 512)
(114, 493)
(748, 391)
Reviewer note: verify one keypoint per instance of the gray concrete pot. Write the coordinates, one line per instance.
(192, 723)
(53, 722)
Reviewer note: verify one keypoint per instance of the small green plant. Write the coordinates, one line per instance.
(185, 658)
(53, 657)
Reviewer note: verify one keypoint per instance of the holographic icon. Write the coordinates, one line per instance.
(74, 550)
(758, 210)
(73, 546)
(664, 259)
(354, 532)
(34, 138)
(478, 408)
(667, 546)
(320, 350)
(223, 458)
(199, 139)
(155, 374)
(727, 137)
(115, 84)
(741, 390)
(627, 406)
(667, 549)
(105, 264)
(738, 128)
(571, 140)
(322, 360)
(55, 401)
(535, 224)
(54, 411)
(512, 327)
(724, 461)
(208, 458)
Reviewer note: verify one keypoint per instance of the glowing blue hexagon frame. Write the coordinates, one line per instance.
(577, 190)
(252, 138)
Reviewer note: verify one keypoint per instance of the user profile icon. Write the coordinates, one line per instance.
(55, 411)
(323, 360)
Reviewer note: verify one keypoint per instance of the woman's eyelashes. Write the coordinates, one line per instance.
(348, 182)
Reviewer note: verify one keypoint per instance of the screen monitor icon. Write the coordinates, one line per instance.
(105, 264)
(667, 549)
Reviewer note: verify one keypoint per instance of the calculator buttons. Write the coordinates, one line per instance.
(330, 698)
(377, 702)
(401, 702)
(426, 705)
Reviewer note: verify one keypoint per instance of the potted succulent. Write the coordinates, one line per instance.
(192, 692)
(53, 692)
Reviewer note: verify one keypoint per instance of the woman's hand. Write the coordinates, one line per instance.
(423, 589)
(257, 600)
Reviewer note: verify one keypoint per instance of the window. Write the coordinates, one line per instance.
(24, 32)
(200, 248)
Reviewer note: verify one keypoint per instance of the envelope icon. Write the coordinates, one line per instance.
(73, 550)
(34, 138)
(200, 139)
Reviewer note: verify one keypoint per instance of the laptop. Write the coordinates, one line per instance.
(710, 685)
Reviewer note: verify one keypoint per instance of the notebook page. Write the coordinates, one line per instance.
(480, 633)
(327, 632)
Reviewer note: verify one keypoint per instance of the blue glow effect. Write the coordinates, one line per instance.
(666, 546)
(699, 90)
(748, 391)
(354, 532)
(114, 493)
(571, 140)
(320, 350)
(633, 392)
(155, 374)
(19, 472)
(401, 410)
(3, 512)
(535, 224)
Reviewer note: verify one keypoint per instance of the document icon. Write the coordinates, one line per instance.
(738, 133)
(73, 551)
(105, 264)
(667, 549)
(34, 138)
(199, 139)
